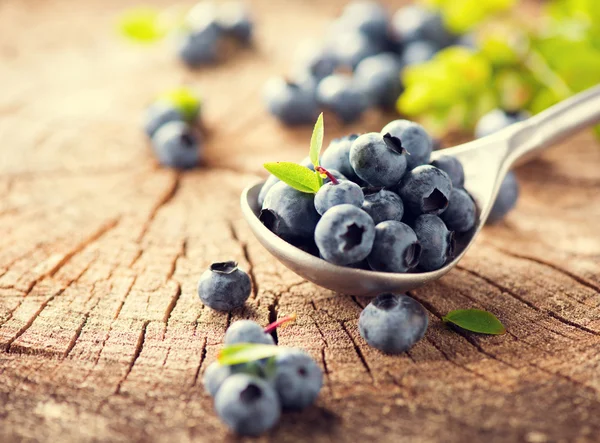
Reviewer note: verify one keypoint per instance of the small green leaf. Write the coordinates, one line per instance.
(475, 320)
(247, 352)
(297, 176)
(316, 141)
(142, 25)
(184, 99)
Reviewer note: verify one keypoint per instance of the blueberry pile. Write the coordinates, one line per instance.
(209, 27)
(384, 206)
(358, 64)
(173, 132)
(249, 397)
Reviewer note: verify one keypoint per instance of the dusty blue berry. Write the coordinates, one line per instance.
(453, 167)
(383, 205)
(247, 331)
(425, 190)
(461, 214)
(437, 243)
(506, 199)
(224, 286)
(413, 138)
(297, 380)
(395, 248)
(378, 159)
(176, 145)
(338, 94)
(344, 192)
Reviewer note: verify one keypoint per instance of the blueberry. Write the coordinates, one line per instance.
(159, 114)
(377, 159)
(425, 190)
(383, 205)
(202, 15)
(235, 21)
(337, 174)
(247, 404)
(496, 120)
(297, 380)
(393, 323)
(437, 243)
(418, 52)
(290, 102)
(316, 60)
(378, 77)
(345, 235)
(506, 199)
(453, 167)
(247, 331)
(350, 47)
(414, 23)
(215, 375)
(289, 213)
(460, 216)
(395, 249)
(200, 46)
(344, 192)
(176, 145)
(266, 187)
(337, 156)
(413, 138)
(338, 93)
(367, 17)
(224, 286)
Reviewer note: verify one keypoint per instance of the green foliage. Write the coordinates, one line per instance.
(184, 99)
(247, 352)
(475, 320)
(297, 176)
(462, 15)
(142, 25)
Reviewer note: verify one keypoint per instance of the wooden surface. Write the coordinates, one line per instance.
(102, 337)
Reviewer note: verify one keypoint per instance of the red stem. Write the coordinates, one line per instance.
(322, 170)
(279, 322)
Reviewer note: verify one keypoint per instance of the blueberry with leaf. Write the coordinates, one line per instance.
(337, 193)
(180, 104)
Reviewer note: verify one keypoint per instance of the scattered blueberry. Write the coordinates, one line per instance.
(247, 404)
(426, 190)
(247, 331)
(395, 248)
(383, 205)
(378, 77)
(418, 52)
(344, 192)
(345, 235)
(367, 17)
(337, 156)
(271, 181)
(460, 216)
(453, 167)
(316, 60)
(338, 93)
(289, 213)
(350, 47)
(297, 380)
(235, 21)
(437, 243)
(415, 23)
(176, 145)
(378, 159)
(159, 114)
(496, 120)
(214, 376)
(200, 46)
(393, 323)
(224, 286)
(290, 102)
(413, 138)
(506, 200)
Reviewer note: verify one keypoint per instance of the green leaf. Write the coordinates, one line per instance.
(475, 320)
(247, 352)
(316, 141)
(297, 176)
(142, 25)
(185, 100)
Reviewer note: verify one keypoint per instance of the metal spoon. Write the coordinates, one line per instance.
(486, 161)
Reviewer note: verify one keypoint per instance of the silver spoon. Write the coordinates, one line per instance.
(486, 161)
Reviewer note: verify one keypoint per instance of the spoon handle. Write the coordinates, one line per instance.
(555, 124)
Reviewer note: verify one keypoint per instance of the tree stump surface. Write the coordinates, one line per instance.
(102, 336)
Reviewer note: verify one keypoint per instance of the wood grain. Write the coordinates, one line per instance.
(102, 337)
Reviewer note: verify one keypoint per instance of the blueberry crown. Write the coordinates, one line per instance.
(226, 267)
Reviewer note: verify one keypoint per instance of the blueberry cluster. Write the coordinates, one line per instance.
(358, 64)
(209, 27)
(249, 397)
(174, 136)
(384, 208)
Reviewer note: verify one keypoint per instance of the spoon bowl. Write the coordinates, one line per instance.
(485, 161)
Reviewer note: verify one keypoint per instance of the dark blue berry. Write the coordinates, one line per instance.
(247, 331)
(158, 115)
(235, 21)
(176, 145)
(395, 248)
(461, 214)
(378, 159)
(383, 205)
(368, 17)
(413, 138)
(224, 286)
(496, 120)
(506, 199)
(344, 192)
(338, 94)
(297, 380)
(437, 243)
(415, 23)
(351, 47)
(266, 187)
(378, 77)
(453, 167)
(337, 156)
(200, 46)
(425, 190)
(418, 52)
(291, 103)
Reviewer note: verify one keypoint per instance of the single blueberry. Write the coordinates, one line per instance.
(508, 194)
(266, 187)
(437, 243)
(413, 138)
(367, 17)
(337, 156)
(395, 249)
(176, 145)
(344, 192)
(453, 167)
(289, 213)
(297, 380)
(498, 119)
(247, 331)
(345, 235)
(415, 23)
(291, 103)
(235, 21)
(247, 404)
(418, 52)
(224, 286)
(316, 60)
(159, 114)
(460, 216)
(351, 47)
(378, 159)
(215, 374)
(383, 205)
(393, 323)
(200, 46)
(425, 190)
(378, 77)
(338, 94)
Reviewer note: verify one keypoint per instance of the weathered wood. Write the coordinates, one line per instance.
(102, 337)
